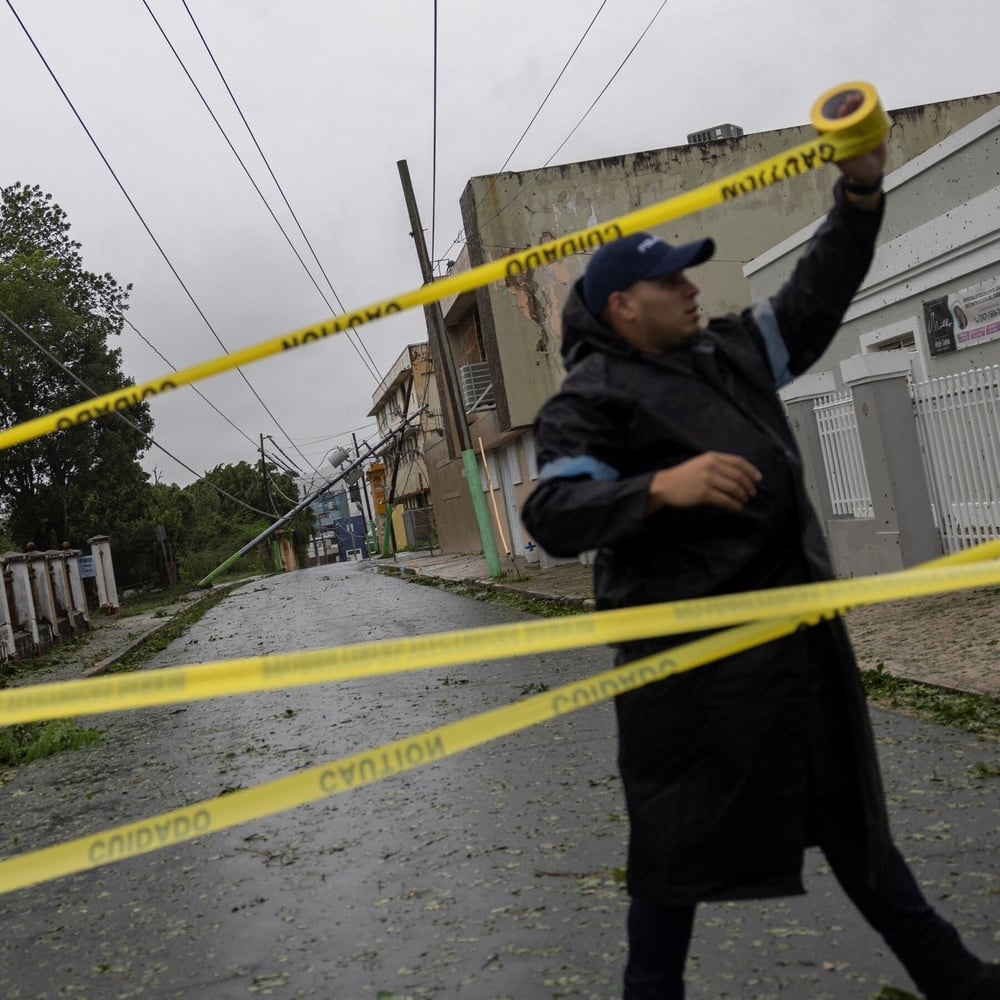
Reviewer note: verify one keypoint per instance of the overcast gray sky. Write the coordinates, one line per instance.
(336, 93)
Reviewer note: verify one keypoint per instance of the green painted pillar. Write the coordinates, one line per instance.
(482, 514)
(387, 534)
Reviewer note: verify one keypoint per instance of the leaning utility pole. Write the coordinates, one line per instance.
(308, 499)
(364, 492)
(441, 351)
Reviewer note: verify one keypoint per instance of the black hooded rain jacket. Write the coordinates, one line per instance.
(732, 769)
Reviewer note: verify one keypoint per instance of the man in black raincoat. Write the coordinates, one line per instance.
(668, 451)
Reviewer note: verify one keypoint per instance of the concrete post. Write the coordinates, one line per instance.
(8, 648)
(81, 612)
(45, 599)
(107, 588)
(904, 531)
(59, 569)
(25, 615)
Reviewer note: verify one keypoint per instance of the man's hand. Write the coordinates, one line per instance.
(713, 478)
(865, 169)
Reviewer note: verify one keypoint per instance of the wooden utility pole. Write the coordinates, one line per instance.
(441, 351)
(363, 483)
(444, 361)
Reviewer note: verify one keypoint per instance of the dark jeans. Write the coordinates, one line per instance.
(928, 946)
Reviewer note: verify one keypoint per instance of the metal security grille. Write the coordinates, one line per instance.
(958, 420)
(843, 457)
(420, 526)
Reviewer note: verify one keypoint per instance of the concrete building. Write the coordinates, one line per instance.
(409, 385)
(506, 336)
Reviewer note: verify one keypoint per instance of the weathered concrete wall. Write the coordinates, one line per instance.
(520, 317)
(510, 211)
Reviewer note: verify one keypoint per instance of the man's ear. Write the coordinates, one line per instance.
(619, 308)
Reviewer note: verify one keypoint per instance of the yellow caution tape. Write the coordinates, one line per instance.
(370, 766)
(865, 127)
(392, 758)
(857, 133)
(229, 677)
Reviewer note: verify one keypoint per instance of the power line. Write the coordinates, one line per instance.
(149, 439)
(593, 104)
(284, 456)
(608, 84)
(434, 140)
(160, 355)
(538, 111)
(256, 188)
(372, 367)
(138, 214)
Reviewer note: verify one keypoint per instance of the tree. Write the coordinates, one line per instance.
(86, 479)
(215, 526)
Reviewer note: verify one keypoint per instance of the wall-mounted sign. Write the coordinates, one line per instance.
(88, 567)
(966, 318)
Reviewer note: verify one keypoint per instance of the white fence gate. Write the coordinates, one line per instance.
(842, 456)
(958, 420)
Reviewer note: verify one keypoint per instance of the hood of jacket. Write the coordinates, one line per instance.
(583, 332)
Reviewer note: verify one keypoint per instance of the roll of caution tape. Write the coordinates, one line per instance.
(224, 678)
(860, 130)
(856, 134)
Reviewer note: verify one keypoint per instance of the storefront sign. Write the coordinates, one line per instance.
(966, 318)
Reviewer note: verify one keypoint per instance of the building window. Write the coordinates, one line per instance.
(530, 454)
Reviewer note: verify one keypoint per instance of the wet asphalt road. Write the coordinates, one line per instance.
(488, 875)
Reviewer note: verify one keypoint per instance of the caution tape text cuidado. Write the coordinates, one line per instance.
(436, 744)
(230, 677)
(774, 613)
(212, 815)
(839, 139)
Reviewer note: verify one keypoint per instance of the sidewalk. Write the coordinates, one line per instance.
(570, 581)
(949, 640)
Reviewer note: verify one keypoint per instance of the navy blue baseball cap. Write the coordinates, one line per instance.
(620, 264)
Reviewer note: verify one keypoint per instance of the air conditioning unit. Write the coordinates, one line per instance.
(476, 385)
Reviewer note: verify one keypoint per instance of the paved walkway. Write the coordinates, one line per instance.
(949, 640)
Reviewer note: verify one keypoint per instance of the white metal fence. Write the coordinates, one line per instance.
(842, 456)
(958, 420)
(958, 423)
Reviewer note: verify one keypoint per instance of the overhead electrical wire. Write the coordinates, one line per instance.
(135, 209)
(372, 371)
(197, 391)
(278, 463)
(151, 442)
(338, 436)
(534, 117)
(283, 455)
(572, 131)
(370, 363)
(434, 138)
(621, 66)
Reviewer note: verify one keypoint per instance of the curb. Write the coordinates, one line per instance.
(587, 603)
(102, 666)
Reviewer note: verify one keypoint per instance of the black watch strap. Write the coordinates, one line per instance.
(875, 185)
